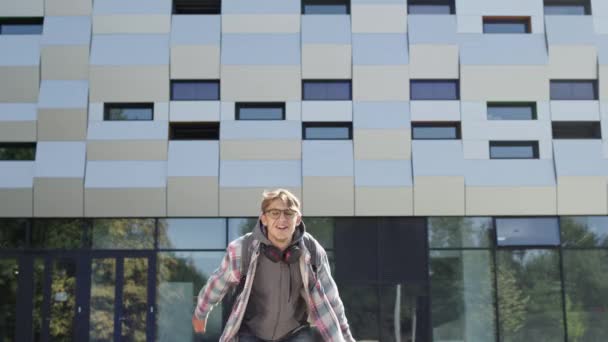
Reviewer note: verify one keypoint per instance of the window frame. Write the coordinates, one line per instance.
(215, 10)
(172, 91)
(327, 81)
(29, 145)
(585, 4)
(131, 105)
(451, 4)
(571, 83)
(437, 124)
(343, 124)
(497, 20)
(532, 105)
(304, 3)
(515, 143)
(16, 21)
(456, 82)
(594, 127)
(207, 126)
(275, 105)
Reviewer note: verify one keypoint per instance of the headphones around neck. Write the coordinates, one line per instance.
(291, 255)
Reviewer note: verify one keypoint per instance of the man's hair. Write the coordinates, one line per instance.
(286, 196)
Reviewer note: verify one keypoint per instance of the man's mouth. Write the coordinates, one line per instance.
(282, 228)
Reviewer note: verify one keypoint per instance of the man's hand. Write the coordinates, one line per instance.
(199, 325)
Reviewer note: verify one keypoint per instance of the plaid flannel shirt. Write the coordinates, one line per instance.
(325, 309)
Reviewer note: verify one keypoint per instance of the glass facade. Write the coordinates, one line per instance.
(433, 279)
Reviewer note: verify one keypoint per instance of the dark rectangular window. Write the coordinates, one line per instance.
(434, 90)
(568, 7)
(435, 130)
(506, 25)
(260, 111)
(513, 149)
(326, 90)
(17, 151)
(327, 130)
(129, 111)
(195, 90)
(197, 7)
(431, 7)
(574, 90)
(21, 25)
(325, 6)
(194, 131)
(534, 231)
(511, 110)
(577, 130)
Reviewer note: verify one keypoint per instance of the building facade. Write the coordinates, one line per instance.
(451, 156)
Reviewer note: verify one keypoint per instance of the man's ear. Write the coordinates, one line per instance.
(263, 219)
(299, 220)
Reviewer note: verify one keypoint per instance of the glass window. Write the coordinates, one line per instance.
(194, 131)
(577, 130)
(506, 25)
(325, 7)
(260, 111)
(240, 226)
(537, 231)
(529, 295)
(431, 7)
(567, 7)
(574, 90)
(195, 90)
(181, 275)
(13, 233)
(460, 232)
(322, 229)
(326, 90)
(434, 90)
(123, 233)
(129, 111)
(586, 293)
(462, 292)
(21, 25)
(435, 130)
(327, 130)
(197, 6)
(56, 233)
(9, 277)
(192, 233)
(513, 149)
(17, 151)
(511, 111)
(584, 231)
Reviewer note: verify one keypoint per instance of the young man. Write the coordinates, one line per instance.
(284, 288)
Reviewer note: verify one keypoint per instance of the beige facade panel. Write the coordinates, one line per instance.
(261, 23)
(127, 150)
(382, 144)
(58, 197)
(383, 201)
(511, 201)
(22, 8)
(439, 195)
(64, 62)
(134, 23)
(129, 83)
(578, 195)
(62, 124)
(192, 196)
(260, 149)
(326, 61)
(68, 7)
(261, 83)
(572, 62)
(195, 62)
(379, 19)
(328, 196)
(133, 202)
(19, 83)
(381, 83)
(16, 202)
(434, 61)
(18, 131)
(243, 202)
(504, 83)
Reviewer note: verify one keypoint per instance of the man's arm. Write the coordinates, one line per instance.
(218, 284)
(331, 291)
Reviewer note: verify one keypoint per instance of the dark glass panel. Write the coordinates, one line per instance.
(577, 130)
(9, 274)
(129, 112)
(398, 313)
(17, 151)
(103, 298)
(438, 130)
(194, 131)
(513, 149)
(63, 299)
(327, 130)
(13, 233)
(57, 233)
(326, 90)
(134, 299)
(460, 232)
(260, 111)
(197, 7)
(584, 231)
(537, 231)
(190, 233)
(402, 251)
(16, 25)
(322, 229)
(574, 90)
(434, 90)
(499, 25)
(462, 292)
(511, 111)
(123, 233)
(567, 7)
(195, 90)
(356, 234)
(361, 304)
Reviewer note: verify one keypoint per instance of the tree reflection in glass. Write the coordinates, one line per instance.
(103, 293)
(63, 299)
(9, 272)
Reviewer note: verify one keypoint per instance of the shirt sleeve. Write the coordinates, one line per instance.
(220, 281)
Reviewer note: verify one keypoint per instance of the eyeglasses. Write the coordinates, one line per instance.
(276, 213)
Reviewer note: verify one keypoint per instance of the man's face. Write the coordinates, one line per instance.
(281, 222)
